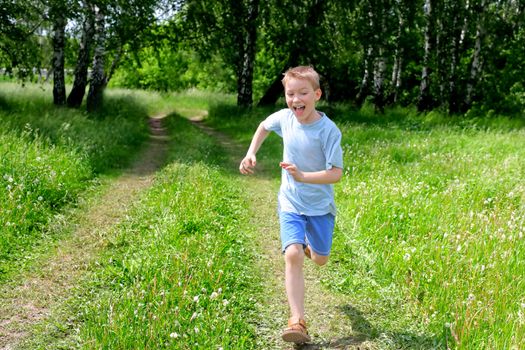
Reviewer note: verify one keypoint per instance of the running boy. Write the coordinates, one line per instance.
(312, 163)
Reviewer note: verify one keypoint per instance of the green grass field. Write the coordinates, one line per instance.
(429, 238)
(428, 246)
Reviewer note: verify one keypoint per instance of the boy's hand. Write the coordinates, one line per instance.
(247, 165)
(293, 170)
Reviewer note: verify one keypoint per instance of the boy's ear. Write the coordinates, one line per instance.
(318, 94)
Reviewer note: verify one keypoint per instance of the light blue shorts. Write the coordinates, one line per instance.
(316, 231)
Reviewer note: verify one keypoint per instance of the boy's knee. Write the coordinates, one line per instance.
(320, 259)
(294, 253)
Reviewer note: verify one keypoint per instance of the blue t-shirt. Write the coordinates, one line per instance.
(311, 147)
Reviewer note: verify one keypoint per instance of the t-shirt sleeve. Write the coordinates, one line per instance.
(333, 150)
(273, 122)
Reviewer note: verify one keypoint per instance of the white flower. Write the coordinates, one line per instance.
(196, 330)
(40, 198)
(174, 335)
(196, 298)
(214, 295)
(194, 316)
(406, 257)
(225, 302)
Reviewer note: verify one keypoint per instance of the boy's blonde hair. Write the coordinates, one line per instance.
(302, 72)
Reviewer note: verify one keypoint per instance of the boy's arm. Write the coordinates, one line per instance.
(249, 161)
(329, 176)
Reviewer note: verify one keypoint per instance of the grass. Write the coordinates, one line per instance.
(176, 273)
(428, 244)
(50, 156)
(445, 197)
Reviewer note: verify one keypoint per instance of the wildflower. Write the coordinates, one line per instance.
(196, 330)
(471, 297)
(214, 295)
(194, 316)
(225, 302)
(196, 299)
(406, 257)
(174, 335)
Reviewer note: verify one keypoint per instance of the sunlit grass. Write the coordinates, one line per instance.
(51, 155)
(178, 272)
(430, 227)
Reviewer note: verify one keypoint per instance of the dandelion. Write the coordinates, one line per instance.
(225, 302)
(174, 335)
(471, 297)
(194, 316)
(196, 299)
(196, 330)
(406, 257)
(214, 295)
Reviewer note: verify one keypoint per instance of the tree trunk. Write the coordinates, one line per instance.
(476, 62)
(453, 98)
(59, 84)
(380, 61)
(245, 78)
(115, 63)
(398, 54)
(98, 79)
(81, 69)
(368, 64)
(425, 98)
(441, 52)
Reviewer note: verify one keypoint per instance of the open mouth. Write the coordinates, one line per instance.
(299, 109)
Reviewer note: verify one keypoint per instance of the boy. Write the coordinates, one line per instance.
(312, 163)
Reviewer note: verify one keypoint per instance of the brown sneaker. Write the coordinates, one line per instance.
(296, 332)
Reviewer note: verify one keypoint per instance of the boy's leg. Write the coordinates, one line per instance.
(294, 280)
(293, 227)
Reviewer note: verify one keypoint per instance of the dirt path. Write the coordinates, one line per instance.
(329, 324)
(39, 291)
(31, 301)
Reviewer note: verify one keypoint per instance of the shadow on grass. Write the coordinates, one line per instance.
(367, 337)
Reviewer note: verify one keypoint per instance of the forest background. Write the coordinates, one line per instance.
(458, 56)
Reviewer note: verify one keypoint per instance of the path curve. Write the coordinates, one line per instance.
(32, 299)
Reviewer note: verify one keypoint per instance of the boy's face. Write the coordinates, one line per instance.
(300, 98)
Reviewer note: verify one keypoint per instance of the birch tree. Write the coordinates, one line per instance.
(84, 53)
(425, 98)
(98, 78)
(476, 62)
(58, 15)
